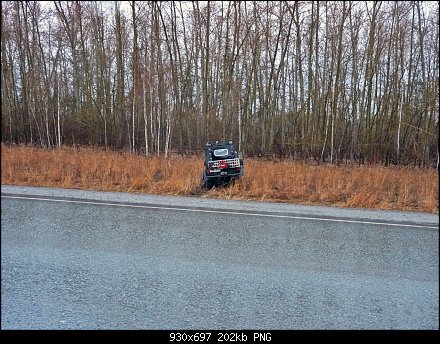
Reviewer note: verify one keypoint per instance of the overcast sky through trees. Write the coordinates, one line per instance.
(323, 81)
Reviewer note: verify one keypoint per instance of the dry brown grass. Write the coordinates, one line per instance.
(372, 187)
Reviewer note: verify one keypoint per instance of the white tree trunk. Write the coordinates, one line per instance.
(58, 115)
(145, 116)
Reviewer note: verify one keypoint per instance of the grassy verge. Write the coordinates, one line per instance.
(374, 187)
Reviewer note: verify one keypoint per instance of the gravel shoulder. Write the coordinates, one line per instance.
(229, 205)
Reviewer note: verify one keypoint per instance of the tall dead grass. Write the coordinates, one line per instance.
(375, 187)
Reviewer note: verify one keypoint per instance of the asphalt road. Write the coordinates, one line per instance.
(88, 260)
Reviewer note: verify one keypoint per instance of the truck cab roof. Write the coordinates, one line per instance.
(217, 150)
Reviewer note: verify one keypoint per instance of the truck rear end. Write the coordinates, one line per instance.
(223, 163)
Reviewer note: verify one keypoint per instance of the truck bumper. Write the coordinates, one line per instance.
(220, 176)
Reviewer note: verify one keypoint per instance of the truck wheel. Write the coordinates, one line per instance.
(207, 183)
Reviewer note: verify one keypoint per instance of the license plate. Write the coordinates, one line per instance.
(223, 173)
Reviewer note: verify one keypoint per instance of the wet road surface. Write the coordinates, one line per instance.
(93, 266)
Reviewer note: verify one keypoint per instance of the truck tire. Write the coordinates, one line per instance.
(206, 182)
(209, 184)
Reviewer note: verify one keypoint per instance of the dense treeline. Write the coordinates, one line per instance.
(328, 81)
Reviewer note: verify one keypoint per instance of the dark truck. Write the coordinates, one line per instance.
(223, 163)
